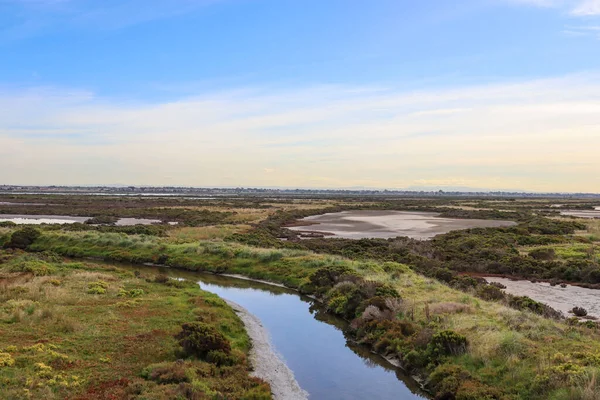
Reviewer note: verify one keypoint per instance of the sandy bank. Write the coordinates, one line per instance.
(267, 364)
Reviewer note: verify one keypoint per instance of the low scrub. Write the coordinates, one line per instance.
(199, 339)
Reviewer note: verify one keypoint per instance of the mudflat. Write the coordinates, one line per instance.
(592, 214)
(41, 219)
(390, 224)
(66, 219)
(557, 297)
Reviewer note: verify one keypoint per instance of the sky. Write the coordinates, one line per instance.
(494, 94)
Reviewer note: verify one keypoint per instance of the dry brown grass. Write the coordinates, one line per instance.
(593, 228)
(89, 276)
(450, 308)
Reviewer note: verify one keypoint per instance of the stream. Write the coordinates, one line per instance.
(313, 345)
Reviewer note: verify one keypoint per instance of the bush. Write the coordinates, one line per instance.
(199, 339)
(543, 254)
(446, 379)
(490, 292)
(414, 359)
(166, 373)
(344, 299)
(161, 278)
(220, 358)
(98, 287)
(526, 303)
(102, 220)
(6, 360)
(325, 278)
(579, 311)
(23, 238)
(446, 343)
(35, 267)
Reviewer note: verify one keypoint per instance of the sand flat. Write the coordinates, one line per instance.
(557, 297)
(390, 224)
(588, 214)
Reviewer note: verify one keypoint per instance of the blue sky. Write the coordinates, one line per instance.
(329, 93)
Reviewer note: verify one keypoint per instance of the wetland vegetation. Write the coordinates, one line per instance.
(420, 303)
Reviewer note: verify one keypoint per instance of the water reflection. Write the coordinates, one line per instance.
(315, 344)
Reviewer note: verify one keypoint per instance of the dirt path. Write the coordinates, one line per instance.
(267, 364)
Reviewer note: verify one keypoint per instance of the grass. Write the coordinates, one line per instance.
(212, 232)
(60, 339)
(513, 351)
(593, 229)
(569, 251)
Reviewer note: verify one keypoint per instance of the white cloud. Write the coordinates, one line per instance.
(583, 31)
(543, 134)
(578, 8)
(587, 8)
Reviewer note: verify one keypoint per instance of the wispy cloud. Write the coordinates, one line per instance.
(542, 133)
(31, 17)
(580, 8)
(587, 8)
(581, 31)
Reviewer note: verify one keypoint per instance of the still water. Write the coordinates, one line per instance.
(66, 219)
(313, 344)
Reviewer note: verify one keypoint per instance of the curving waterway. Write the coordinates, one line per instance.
(324, 361)
(312, 343)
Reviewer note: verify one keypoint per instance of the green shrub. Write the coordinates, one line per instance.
(198, 339)
(102, 220)
(386, 290)
(446, 379)
(130, 293)
(96, 290)
(220, 358)
(98, 287)
(544, 254)
(325, 278)
(490, 292)
(166, 373)
(344, 299)
(414, 359)
(579, 311)
(35, 267)
(446, 343)
(23, 238)
(6, 360)
(526, 303)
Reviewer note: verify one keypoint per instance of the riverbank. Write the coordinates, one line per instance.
(266, 363)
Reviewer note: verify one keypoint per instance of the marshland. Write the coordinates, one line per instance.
(418, 312)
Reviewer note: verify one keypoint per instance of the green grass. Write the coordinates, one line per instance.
(59, 339)
(571, 251)
(510, 352)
